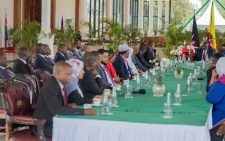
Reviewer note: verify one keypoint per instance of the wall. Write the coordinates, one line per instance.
(65, 8)
(9, 6)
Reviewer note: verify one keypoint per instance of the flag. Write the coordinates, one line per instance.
(6, 30)
(62, 27)
(195, 37)
(212, 33)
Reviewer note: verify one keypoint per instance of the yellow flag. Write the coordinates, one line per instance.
(212, 35)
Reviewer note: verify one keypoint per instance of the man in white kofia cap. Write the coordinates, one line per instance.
(121, 64)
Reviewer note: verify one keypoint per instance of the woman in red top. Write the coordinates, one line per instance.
(111, 69)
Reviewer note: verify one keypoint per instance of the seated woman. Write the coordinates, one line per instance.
(216, 96)
(212, 68)
(73, 89)
(111, 69)
(91, 84)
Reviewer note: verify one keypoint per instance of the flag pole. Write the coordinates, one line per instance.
(6, 31)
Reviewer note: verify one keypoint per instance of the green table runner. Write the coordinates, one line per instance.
(149, 109)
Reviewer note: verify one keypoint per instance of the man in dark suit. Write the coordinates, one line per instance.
(121, 64)
(91, 84)
(150, 54)
(106, 78)
(21, 65)
(140, 55)
(76, 50)
(41, 61)
(5, 73)
(61, 54)
(204, 52)
(53, 98)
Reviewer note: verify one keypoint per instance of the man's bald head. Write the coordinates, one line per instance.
(62, 72)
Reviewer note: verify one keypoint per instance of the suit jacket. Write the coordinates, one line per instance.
(42, 63)
(104, 78)
(121, 68)
(90, 85)
(199, 53)
(142, 60)
(60, 57)
(138, 64)
(21, 67)
(50, 103)
(149, 55)
(77, 54)
(75, 97)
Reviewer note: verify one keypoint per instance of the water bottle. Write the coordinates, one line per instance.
(138, 82)
(105, 105)
(178, 95)
(188, 85)
(167, 107)
(114, 98)
(129, 91)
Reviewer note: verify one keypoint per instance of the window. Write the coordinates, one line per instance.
(163, 14)
(134, 13)
(118, 11)
(155, 16)
(146, 15)
(96, 14)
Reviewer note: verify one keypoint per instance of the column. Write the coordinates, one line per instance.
(46, 25)
(46, 16)
(109, 9)
(150, 30)
(167, 14)
(140, 13)
(159, 15)
(126, 12)
(83, 16)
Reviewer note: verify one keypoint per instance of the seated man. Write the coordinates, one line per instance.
(140, 55)
(106, 78)
(53, 98)
(41, 61)
(21, 65)
(150, 54)
(61, 54)
(121, 64)
(76, 50)
(4, 72)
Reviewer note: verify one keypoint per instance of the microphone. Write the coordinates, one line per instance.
(140, 91)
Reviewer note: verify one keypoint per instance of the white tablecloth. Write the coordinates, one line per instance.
(73, 129)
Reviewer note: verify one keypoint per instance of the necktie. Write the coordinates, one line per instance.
(204, 55)
(64, 96)
(8, 72)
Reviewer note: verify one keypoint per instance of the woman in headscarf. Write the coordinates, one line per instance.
(130, 62)
(211, 68)
(216, 96)
(75, 94)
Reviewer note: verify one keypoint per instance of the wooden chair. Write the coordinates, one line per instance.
(17, 105)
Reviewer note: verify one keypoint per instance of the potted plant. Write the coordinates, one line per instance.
(26, 35)
(66, 35)
(159, 86)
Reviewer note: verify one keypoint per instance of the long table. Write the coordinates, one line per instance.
(140, 118)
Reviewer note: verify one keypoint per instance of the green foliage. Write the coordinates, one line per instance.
(181, 11)
(27, 36)
(174, 37)
(159, 79)
(117, 33)
(66, 35)
(94, 34)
